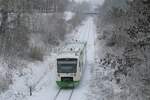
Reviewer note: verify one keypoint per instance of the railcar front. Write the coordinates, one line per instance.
(67, 72)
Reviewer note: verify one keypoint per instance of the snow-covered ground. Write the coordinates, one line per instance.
(96, 82)
(48, 86)
(68, 15)
(42, 75)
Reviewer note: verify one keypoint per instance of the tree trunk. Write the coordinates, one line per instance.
(3, 25)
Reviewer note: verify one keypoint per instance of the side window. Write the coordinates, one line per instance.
(81, 61)
(80, 65)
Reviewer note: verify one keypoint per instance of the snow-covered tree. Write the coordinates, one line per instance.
(128, 30)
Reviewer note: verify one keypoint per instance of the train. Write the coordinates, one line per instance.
(71, 61)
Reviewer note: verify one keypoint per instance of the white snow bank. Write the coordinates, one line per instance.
(68, 15)
(31, 76)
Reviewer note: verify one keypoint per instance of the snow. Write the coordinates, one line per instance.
(41, 76)
(49, 90)
(31, 76)
(68, 15)
(87, 33)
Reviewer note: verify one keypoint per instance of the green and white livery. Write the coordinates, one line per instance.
(70, 64)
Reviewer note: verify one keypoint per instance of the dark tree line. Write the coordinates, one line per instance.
(128, 28)
(14, 22)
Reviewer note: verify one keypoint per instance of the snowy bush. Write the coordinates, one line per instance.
(5, 76)
(129, 40)
(4, 84)
(37, 53)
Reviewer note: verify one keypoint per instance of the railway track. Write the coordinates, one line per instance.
(60, 91)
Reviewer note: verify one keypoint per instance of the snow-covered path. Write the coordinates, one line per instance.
(86, 32)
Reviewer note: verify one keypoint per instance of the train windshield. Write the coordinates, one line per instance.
(67, 65)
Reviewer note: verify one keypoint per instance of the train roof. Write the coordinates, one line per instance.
(72, 50)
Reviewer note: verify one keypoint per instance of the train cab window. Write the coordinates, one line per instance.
(67, 65)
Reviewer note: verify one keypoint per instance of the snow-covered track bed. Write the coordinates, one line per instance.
(48, 87)
(67, 94)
